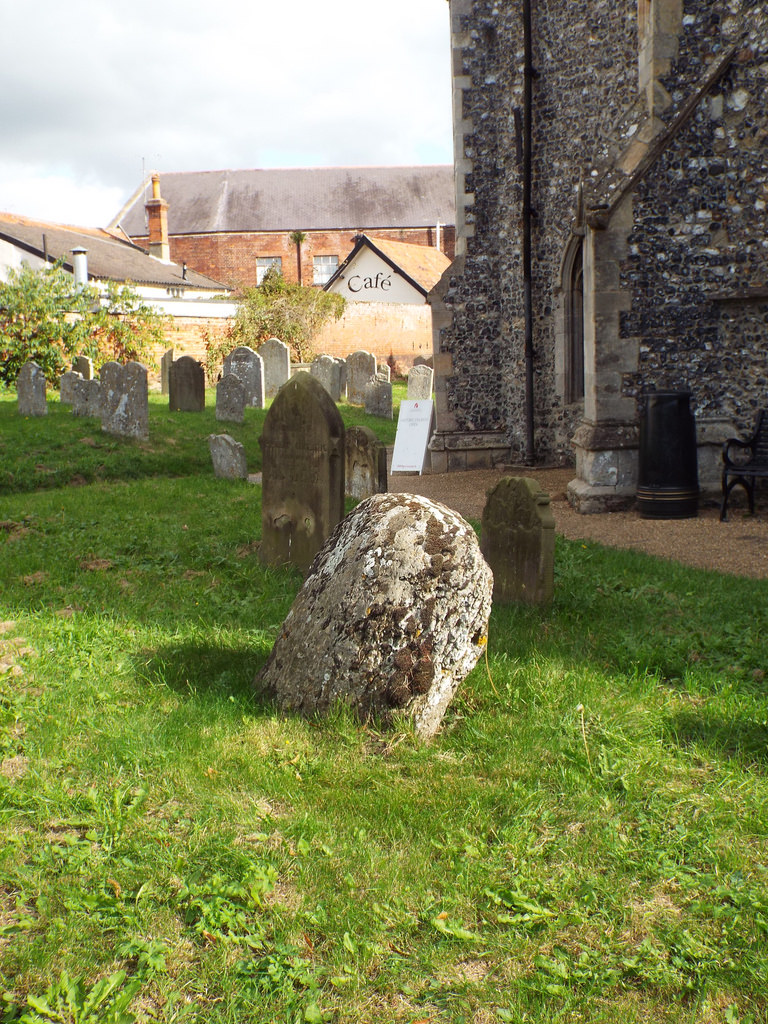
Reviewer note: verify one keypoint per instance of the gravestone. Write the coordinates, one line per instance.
(328, 371)
(248, 366)
(230, 399)
(342, 363)
(186, 385)
(383, 371)
(84, 366)
(277, 365)
(165, 365)
(361, 367)
(125, 400)
(392, 617)
(420, 382)
(378, 398)
(30, 390)
(302, 445)
(86, 398)
(518, 541)
(365, 463)
(228, 457)
(66, 386)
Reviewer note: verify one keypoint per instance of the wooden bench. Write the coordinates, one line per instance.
(747, 467)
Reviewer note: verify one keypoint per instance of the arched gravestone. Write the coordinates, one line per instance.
(302, 447)
(361, 367)
(420, 382)
(277, 365)
(186, 385)
(248, 366)
(125, 400)
(230, 399)
(518, 541)
(365, 468)
(30, 390)
(328, 371)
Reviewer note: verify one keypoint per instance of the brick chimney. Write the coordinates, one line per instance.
(157, 218)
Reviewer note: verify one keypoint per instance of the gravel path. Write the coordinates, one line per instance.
(739, 546)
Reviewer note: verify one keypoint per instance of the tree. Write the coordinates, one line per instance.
(45, 317)
(298, 237)
(290, 312)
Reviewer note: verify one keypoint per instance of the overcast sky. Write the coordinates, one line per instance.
(95, 93)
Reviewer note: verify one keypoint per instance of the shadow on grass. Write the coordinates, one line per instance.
(741, 740)
(205, 669)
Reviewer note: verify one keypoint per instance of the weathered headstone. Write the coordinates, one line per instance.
(420, 382)
(186, 385)
(165, 365)
(277, 365)
(230, 399)
(365, 471)
(378, 398)
(394, 612)
(328, 371)
(125, 400)
(518, 541)
(228, 457)
(384, 371)
(343, 374)
(248, 366)
(84, 366)
(86, 398)
(30, 390)
(66, 389)
(361, 367)
(302, 445)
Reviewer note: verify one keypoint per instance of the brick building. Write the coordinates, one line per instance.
(612, 180)
(233, 225)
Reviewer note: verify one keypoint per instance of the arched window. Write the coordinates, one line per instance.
(573, 321)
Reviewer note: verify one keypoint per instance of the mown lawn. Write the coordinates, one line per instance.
(586, 839)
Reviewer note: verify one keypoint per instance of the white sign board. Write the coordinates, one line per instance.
(414, 425)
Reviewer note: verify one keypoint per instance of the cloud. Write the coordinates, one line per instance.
(94, 93)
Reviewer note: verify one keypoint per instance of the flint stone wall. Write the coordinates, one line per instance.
(394, 611)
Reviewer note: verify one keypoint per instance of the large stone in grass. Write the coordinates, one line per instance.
(392, 616)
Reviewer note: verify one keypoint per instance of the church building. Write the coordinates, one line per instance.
(612, 179)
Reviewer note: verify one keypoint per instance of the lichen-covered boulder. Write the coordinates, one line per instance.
(392, 616)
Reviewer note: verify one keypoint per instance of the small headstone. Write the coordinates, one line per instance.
(248, 366)
(230, 399)
(420, 382)
(383, 371)
(165, 366)
(86, 398)
(125, 400)
(328, 371)
(378, 398)
(186, 385)
(343, 374)
(30, 390)
(361, 367)
(518, 541)
(302, 445)
(365, 471)
(392, 616)
(84, 366)
(228, 457)
(277, 365)
(66, 390)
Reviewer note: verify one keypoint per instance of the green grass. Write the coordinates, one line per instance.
(584, 841)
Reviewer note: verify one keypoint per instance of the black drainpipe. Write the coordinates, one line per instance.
(528, 76)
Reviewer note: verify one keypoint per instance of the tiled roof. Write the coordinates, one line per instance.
(305, 199)
(422, 263)
(110, 258)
